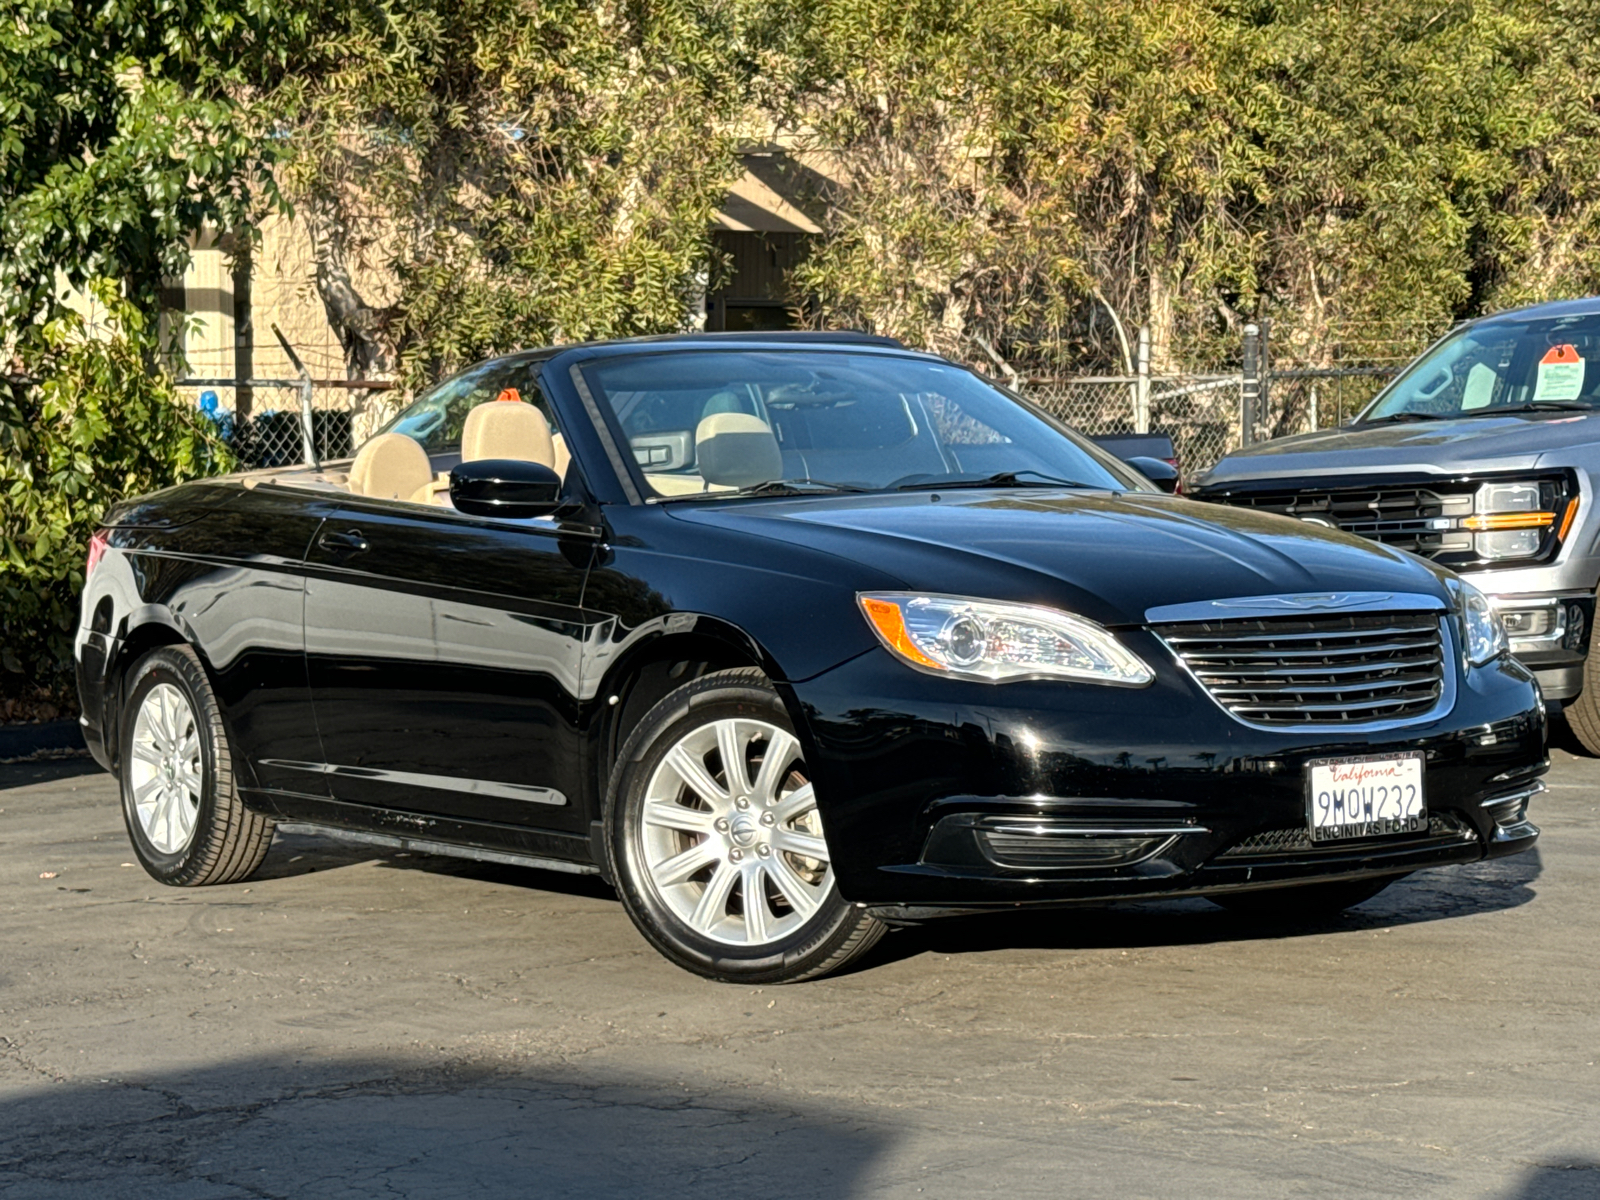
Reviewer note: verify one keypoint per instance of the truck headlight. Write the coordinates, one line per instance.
(1508, 520)
(981, 639)
(1483, 637)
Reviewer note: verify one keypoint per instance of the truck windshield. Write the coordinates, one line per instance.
(1548, 364)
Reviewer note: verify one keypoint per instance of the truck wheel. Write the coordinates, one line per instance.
(1583, 713)
(184, 817)
(716, 841)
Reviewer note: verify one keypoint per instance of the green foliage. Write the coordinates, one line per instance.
(99, 429)
(121, 134)
(525, 172)
(1011, 172)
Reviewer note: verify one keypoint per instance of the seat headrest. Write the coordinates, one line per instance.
(736, 450)
(507, 429)
(390, 466)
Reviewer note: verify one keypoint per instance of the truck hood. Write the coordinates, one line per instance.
(1109, 556)
(1469, 445)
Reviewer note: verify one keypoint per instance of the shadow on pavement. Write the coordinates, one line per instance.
(1572, 1179)
(47, 770)
(1433, 895)
(1438, 894)
(275, 1127)
(1562, 738)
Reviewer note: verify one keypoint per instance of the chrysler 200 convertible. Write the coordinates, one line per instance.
(791, 638)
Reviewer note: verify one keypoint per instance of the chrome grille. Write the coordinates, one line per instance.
(1320, 670)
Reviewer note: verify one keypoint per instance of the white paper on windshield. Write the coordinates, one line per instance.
(1560, 374)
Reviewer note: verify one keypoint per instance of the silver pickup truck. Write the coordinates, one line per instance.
(1481, 456)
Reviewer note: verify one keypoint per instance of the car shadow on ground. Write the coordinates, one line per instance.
(1441, 893)
(296, 854)
(280, 1126)
(1568, 1179)
(1562, 738)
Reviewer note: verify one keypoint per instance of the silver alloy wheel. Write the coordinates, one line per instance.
(731, 835)
(164, 768)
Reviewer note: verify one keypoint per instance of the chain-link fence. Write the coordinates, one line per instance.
(1200, 413)
(1206, 414)
(263, 420)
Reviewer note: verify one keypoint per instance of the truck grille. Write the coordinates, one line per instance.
(1411, 518)
(1319, 670)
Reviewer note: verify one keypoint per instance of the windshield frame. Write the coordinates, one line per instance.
(638, 490)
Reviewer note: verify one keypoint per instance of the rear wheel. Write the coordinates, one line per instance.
(1309, 901)
(184, 817)
(716, 840)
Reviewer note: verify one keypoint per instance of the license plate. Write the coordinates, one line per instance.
(1365, 796)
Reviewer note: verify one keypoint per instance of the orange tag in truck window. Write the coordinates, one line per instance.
(1560, 374)
(510, 394)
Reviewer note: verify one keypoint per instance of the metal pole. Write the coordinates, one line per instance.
(1250, 390)
(1141, 400)
(1264, 376)
(308, 438)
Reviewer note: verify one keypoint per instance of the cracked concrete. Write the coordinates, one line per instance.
(353, 1024)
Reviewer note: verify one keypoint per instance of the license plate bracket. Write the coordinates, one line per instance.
(1365, 795)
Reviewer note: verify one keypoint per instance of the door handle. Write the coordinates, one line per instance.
(348, 542)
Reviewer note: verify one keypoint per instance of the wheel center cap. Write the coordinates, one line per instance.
(743, 830)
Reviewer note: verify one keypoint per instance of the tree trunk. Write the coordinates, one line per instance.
(364, 331)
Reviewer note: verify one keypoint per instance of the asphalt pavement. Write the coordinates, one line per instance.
(352, 1023)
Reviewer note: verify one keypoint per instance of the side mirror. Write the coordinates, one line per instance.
(1163, 474)
(504, 487)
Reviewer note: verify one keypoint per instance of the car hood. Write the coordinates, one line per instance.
(1109, 556)
(1511, 442)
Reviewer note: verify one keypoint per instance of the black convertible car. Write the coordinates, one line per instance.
(791, 638)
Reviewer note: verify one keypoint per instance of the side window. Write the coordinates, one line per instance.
(436, 420)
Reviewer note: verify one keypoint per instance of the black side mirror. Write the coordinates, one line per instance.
(504, 487)
(1163, 474)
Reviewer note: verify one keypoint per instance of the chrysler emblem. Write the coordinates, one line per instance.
(1326, 600)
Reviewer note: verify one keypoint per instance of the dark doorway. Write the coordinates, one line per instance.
(755, 297)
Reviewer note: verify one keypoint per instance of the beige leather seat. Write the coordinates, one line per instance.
(736, 450)
(391, 466)
(512, 429)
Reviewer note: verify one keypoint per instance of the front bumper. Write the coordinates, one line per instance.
(909, 771)
(1553, 638)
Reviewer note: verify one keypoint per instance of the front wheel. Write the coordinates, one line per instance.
(717, 844)
(1308, 902)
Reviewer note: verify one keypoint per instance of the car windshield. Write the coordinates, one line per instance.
(1548, 364)
(715, 422)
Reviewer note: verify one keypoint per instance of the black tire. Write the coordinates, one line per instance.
(1583, 711)
(834, 934)
(1308, 902)
(228, 841)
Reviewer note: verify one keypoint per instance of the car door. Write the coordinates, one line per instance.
(238, 590)
(444, 654)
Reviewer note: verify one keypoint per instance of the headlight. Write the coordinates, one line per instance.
(1483, 637)
(978, 639)
(1510, 520)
